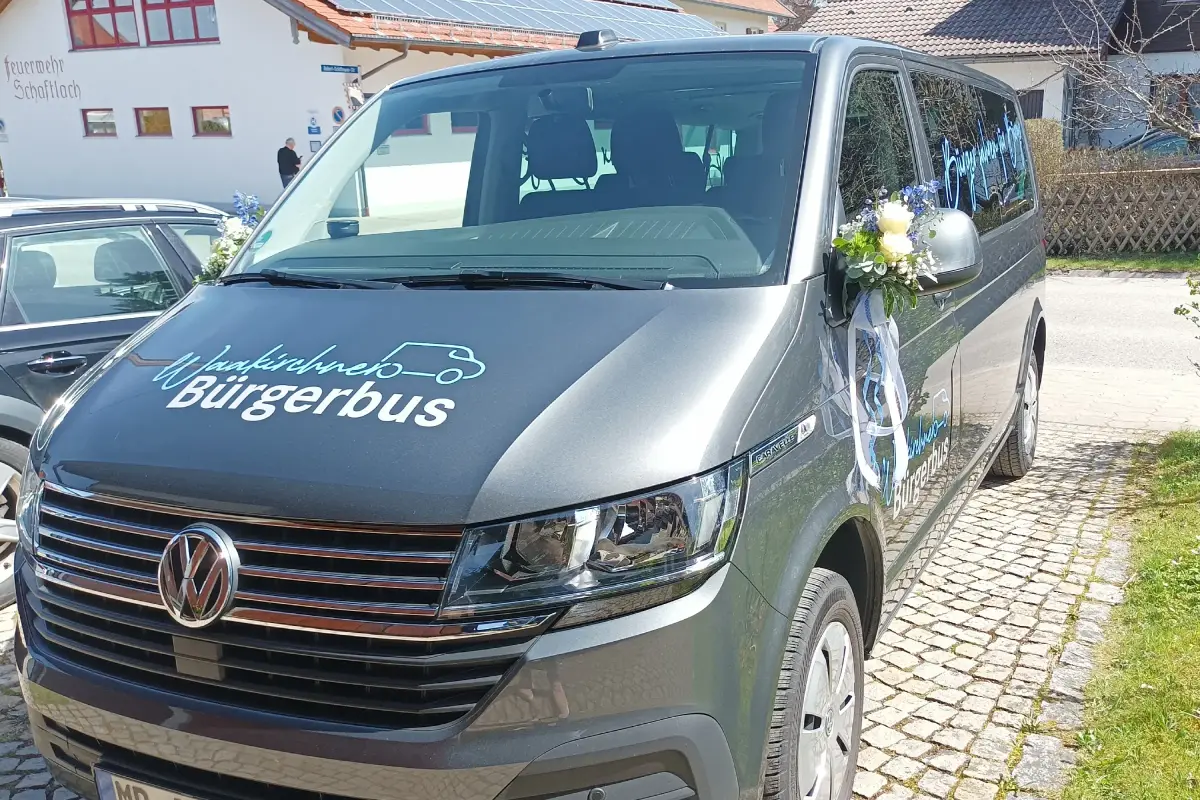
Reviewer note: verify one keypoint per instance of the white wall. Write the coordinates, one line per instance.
(269, 83)
(734, 20)
(1123, 128)
(1031, 74)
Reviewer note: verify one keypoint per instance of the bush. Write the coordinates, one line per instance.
(1046, 147)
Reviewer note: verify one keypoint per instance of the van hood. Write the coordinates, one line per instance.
(428, 406)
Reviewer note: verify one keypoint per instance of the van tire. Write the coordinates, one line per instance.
(827, 607)
(1016, 456)
(14, 456)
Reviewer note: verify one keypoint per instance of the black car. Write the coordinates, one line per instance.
(77, 277)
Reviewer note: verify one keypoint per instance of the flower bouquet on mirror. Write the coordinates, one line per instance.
(887, 260)
(882, 247)
(235, 232)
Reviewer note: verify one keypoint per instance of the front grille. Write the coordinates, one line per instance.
(330, 623)
(292, 568)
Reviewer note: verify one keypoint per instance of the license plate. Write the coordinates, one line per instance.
(116, 787)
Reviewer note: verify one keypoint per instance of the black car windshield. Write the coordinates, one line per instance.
(680, 170)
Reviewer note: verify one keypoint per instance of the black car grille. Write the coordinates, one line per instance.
(308, 635)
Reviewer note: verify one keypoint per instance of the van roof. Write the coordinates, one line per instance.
(746, 43)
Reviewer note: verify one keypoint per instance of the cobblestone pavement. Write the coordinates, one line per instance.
(975, 690)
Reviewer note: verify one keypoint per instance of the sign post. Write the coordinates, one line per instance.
(339, 68)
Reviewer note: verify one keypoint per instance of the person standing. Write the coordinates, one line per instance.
(289, 162)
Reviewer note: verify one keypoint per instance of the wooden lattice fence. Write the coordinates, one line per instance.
(1133, 212)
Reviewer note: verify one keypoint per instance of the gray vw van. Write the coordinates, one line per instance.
(514, 457)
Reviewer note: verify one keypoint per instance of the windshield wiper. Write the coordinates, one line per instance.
(493, 278)
(277, 278)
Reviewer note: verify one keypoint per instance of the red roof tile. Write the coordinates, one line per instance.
(966, 28)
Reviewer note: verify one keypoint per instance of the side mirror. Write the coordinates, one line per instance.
(953, 239)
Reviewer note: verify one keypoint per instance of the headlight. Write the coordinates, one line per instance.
(29, 503)
(603, 549)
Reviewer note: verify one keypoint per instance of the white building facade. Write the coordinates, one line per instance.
(93, 106)
(191, 99)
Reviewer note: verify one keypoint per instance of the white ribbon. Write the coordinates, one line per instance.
(880, 333)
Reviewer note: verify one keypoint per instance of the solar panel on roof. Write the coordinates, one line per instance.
(564, 16)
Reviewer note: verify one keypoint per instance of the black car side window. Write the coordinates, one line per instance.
(877, 150)
(79, 274)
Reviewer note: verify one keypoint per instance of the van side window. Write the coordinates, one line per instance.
(877, 151)
(977, 142)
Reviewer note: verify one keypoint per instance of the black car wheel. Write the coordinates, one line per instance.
(12, 463)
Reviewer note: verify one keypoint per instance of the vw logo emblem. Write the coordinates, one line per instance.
(197, 577)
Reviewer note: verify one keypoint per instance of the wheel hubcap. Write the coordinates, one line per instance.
(1030, 403)
(828, 716)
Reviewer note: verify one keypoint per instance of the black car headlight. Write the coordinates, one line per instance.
(29, 502)
(650, 540)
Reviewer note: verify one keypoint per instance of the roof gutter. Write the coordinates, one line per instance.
(438, 44)
(992, 59)
(306, 18)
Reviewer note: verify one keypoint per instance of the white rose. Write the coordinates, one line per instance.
(894, 218)
(895, 246)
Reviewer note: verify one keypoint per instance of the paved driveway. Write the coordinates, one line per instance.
(974, 689)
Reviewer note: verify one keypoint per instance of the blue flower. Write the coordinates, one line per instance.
(247, 208)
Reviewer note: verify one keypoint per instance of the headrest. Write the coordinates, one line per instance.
(641, 140)
(560, 146)
(114, 261)
(779, 122)
(34, 270)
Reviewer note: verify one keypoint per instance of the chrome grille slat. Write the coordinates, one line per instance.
(220, 516)
(105, 547)
(104, 522)
(412, 557)
(104, 570)
(352, 579)
(337, 605)
(451, 659)
(162, 625)
(382, 629)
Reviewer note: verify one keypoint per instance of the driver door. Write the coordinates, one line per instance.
(878, 152)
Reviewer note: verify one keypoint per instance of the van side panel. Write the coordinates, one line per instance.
(975, 136)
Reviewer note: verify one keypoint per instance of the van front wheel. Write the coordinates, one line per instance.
(817, 721)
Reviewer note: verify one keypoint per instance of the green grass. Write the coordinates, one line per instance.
(1142, 736)
(1130, 262)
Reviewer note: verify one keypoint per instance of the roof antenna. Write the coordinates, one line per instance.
(596, 40)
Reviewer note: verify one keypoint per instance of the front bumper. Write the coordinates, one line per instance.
(643, 707)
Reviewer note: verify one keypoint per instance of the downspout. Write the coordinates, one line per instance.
(403, 55)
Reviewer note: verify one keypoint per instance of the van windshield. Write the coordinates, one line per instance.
(679, 169)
